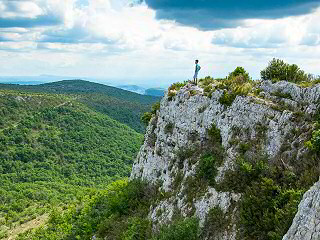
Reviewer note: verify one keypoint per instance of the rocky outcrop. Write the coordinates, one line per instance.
(306, 98)
(306, 224)
(181, 125)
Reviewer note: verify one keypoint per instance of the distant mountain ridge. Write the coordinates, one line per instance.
(123, 106)
(30, 79)
(133, 88)
(158, 92)
(155, 92)
(23, 82)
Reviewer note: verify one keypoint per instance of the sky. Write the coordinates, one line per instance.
(155, 42)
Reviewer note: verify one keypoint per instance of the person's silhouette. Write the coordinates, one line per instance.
(195, 77)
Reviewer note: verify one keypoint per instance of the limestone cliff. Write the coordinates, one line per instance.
(306, 224)
(276, 121)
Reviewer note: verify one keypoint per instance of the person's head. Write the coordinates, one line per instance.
(196, 61)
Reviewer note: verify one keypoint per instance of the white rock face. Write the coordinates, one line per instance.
(183, 123)
(306, 224)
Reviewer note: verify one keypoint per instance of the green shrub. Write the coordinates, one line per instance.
(315, 141)
(243, 89)
(194, 188)
(278, 70)
(192, 92)
(152, 138)
(207, 89)
(239, 72)
(177, 86)
(146, 117)
(312, 80)
(270, 196)
(266, 210)
(214, 134)
(180, 230)
(174, 88)
(227, 98)
(245, 172)
(282, 95)
(177, 180)
(3, 234)
(244, 147)
(216, 222)
(206, 81)
(183, 154)
(171, 94)
(138, 229)
(207, 168)
(122, 212)
(209, 162)
(237, 83)
(155, 107)
(169, 128)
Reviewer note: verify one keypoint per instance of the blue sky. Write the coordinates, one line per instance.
(155, 42)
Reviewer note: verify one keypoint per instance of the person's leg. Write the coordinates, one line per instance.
(196, 78)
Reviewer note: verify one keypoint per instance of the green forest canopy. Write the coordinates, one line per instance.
(54, 150)
(123, 106)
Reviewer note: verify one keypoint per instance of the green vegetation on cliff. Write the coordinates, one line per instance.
(278, 70)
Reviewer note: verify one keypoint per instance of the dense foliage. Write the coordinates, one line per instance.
(270, 194)
(54, 150)
(117, 213)
(181, 229)
(238, 83)
(123, 106)
(239, 71)
(314, 143)
(146, 117)
(278, 70)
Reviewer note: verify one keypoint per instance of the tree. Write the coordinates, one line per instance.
(278, 70)
(239, 72)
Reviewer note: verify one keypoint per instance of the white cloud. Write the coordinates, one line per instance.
(23, 9)
(18, 46)
(111, 39)
(279, 33)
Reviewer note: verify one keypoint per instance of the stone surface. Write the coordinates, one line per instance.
(306, 224)
(182, 123)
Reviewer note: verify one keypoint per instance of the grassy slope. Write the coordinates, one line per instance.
(54, 150)
(123, 106)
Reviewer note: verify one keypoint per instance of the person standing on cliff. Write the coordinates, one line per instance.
(195, 77)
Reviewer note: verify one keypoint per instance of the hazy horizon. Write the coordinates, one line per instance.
(52, 78)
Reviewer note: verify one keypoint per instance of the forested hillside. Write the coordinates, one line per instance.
(123, 106)
(54, 150)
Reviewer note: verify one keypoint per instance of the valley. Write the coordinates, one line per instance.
(58, 148)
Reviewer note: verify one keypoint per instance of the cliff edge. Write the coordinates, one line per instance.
(233, 159)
